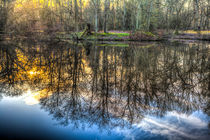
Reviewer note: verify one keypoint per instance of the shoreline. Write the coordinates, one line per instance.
(107, 37)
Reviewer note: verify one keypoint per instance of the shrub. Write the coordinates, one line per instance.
(142, 36)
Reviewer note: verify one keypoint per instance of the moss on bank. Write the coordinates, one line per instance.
(122, 36)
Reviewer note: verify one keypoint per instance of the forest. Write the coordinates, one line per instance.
(104, 16)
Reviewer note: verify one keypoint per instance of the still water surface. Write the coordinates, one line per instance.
(102, 91)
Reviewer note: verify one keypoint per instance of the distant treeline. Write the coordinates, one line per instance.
(103, 15)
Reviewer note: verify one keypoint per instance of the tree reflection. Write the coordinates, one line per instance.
(108, 86)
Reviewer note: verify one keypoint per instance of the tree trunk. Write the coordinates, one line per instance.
(138, 21)
(149, 15)
(96, 4)
(106, 8)
(196, 10)
(76, 15)
(158, 4)
(96, 20)
(124, 14)
(81, 6)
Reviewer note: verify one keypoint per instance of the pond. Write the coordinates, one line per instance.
(100, 91)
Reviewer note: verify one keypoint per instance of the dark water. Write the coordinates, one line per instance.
(99, 91)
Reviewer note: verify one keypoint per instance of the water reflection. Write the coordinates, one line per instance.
(107, 86)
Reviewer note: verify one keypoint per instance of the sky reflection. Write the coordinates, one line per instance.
(178, 125)
(23, 121)
(20, 118)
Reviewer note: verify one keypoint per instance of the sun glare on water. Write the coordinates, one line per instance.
(30, 98)
(31, 72)
(33, 97)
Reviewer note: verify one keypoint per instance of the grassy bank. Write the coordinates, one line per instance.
(116, 36)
